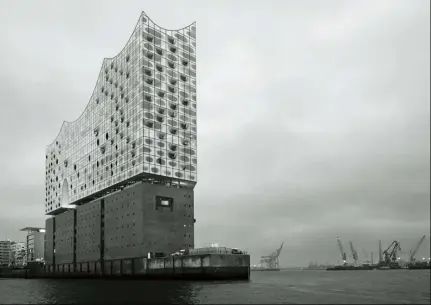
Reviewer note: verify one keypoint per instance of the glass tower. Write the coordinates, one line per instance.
(140, 121)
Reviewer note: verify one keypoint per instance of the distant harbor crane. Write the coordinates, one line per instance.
(354, 253)
(390, 256)
(415, 250)
(343, 254)
(270, 262)
(417, 264)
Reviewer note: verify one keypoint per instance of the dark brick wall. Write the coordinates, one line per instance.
(64, 235)
(135, 223)
(134, 227)
(88, 232)
(49, 240)
(168, 231)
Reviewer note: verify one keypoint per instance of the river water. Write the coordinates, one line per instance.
(284, 287)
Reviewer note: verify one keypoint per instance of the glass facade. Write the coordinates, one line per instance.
(140, 120)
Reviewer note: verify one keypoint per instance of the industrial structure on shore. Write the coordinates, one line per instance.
(388, 258)
(349, 266)
(413, 262)
(269, 262)
(120, 179)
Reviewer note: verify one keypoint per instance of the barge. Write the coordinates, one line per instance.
(352, 267)
(265, 269)
(419, 265)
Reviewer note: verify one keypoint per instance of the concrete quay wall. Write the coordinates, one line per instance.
(203, 266)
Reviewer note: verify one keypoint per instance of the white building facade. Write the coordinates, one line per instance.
(140, 121)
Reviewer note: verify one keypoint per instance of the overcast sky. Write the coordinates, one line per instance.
(313, 117)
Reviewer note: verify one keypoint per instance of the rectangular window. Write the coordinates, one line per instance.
(164, 203)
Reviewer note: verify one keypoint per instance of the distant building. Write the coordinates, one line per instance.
(35, 244)
(17, 255)
(5, 249)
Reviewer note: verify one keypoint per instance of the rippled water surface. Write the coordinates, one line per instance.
(284, 287)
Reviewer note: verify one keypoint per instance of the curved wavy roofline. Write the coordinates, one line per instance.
(111, 58)
(143, 13)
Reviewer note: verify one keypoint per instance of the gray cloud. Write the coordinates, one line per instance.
(314, 119)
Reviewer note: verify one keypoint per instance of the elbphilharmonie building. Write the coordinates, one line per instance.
(120, 178)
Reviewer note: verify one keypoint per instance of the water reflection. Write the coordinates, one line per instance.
(297, 287)
(116, 291)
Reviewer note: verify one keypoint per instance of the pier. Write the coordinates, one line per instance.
(185, 267)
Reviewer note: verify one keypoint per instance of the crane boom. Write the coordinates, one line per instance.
(415, 250)
(354, 253)
(271, 261)
(279, 250)
(391, 255)
(340, 246)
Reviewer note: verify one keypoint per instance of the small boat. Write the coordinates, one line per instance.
(351, 267)
(419, 265)
(265, 269)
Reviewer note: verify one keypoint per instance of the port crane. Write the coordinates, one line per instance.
(271, 261)
(415, 250)
(390, 254)
(354, 253)
(343, 254)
